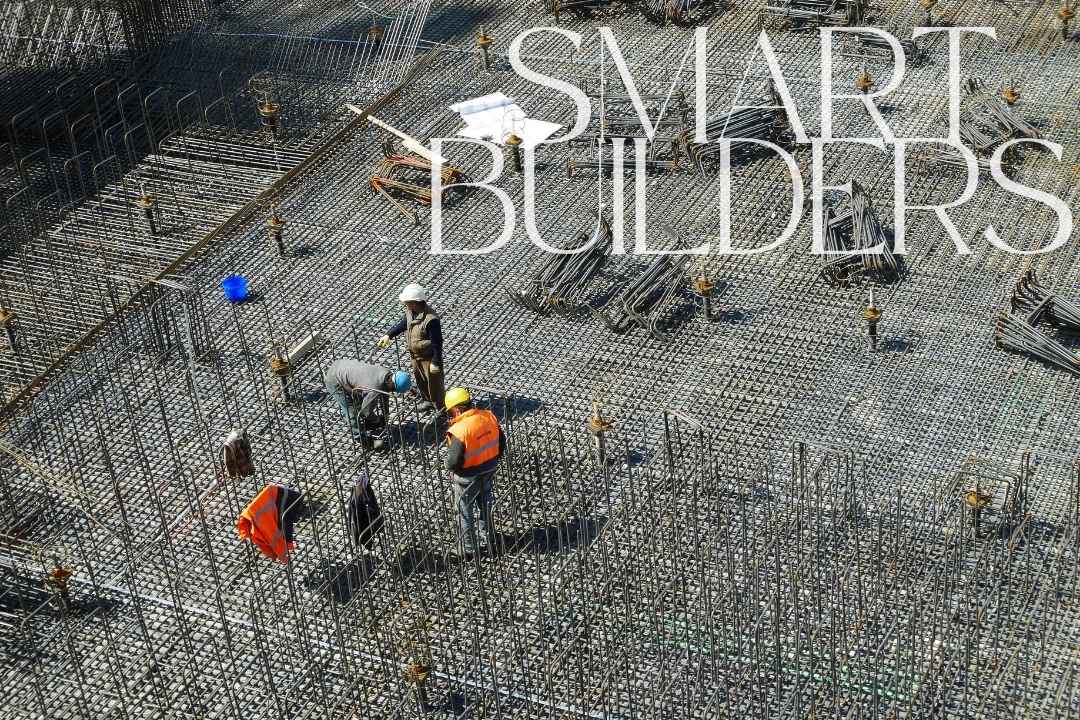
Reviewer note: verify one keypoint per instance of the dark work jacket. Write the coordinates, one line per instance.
(364, 516)
(290, 506)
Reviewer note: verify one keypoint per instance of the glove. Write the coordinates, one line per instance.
(435, 368)
(384, 342)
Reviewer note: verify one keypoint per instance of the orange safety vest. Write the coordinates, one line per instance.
(478, 431)
(261, 524)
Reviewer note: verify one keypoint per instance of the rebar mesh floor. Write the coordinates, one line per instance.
(781, 522)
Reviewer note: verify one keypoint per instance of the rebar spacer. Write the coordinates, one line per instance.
(147, 203)
(976, 500)
(598, 424)
(417, 673)
(7, 316)
(484, 42)
(279, 366)
(1011, 95)
(1066, 13)
(375, 33)
(57, 579)
(864, 82)
(269, 112)
(871, 314)
(514, 143)
(703, 285)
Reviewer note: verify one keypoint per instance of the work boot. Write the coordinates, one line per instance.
(372, 444)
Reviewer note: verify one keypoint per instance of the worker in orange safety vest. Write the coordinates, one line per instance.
(475, 444)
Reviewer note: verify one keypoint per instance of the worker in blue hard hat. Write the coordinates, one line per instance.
(362, 390)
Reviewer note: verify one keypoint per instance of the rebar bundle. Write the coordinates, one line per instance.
(1018, 333)
(755, 123)
(584, 7)
(986, 121)
(619, 117)
(814, 13)
(1029, 296)
(399, 176)
(562, 280)
(678, 12)
(647, 301)
(1031, 303)
(874, 47)
(857, 230)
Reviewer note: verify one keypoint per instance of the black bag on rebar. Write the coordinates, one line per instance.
(236, 454)
(364, 516)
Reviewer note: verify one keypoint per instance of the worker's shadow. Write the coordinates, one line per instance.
(555, 539)
(419, 560)
(514, 406)
(341, 580)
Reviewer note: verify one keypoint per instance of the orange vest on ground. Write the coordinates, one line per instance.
(261, 524)
(478, 431)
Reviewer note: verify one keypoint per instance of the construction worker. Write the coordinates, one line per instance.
(425, 342)
(475, 444)
(362, 390)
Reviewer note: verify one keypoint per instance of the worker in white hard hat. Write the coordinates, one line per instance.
(425, 342)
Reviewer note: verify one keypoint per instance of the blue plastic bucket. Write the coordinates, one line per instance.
(236, 288)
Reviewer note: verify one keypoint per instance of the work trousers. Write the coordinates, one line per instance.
(359, 425)
(474, 494)
(430, 384)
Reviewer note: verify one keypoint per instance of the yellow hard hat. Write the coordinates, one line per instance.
(456, 396)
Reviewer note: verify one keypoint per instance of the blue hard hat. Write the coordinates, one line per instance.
(402, 381)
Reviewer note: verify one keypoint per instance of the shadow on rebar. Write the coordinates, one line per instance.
(557, 538)
(341, 580)
(420, 560)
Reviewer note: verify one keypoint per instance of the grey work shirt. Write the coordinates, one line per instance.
(356, 378)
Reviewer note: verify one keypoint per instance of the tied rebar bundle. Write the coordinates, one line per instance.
(646, 301)
(673, 11)
(876, 47)
(563, 279)
(856, 236)
(669, 113)
(679, 12)
(1015, 332)
(753, 123)
(813, 13)
(1033, 298)
(987, 121)
(1032, 303)
(401, 176)
(582, 7)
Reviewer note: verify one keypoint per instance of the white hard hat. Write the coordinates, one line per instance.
(413, 293)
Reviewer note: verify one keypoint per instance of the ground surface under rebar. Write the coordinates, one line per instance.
(786, 523)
